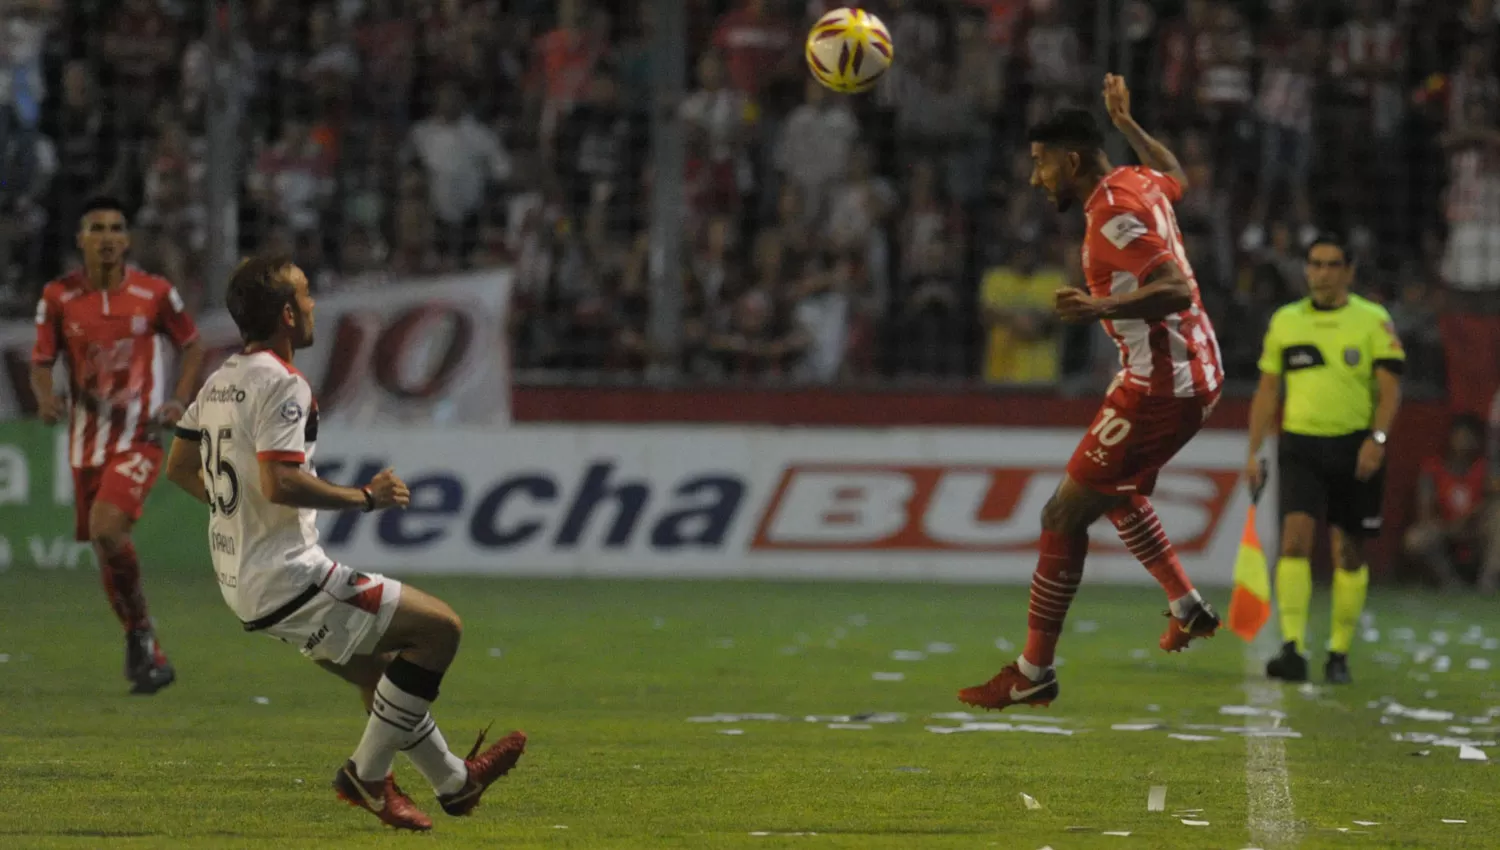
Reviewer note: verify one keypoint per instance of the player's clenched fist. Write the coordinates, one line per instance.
(1076, 306)
(388, 490)
(48, 409)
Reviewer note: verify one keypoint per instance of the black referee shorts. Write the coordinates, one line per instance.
(1317, 478)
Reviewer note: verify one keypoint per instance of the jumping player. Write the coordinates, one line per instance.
(104, 322)
(1141, 287)
(245, 448)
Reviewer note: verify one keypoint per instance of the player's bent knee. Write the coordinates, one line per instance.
(109, 527)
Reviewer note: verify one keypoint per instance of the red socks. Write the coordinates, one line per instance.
(121, 573)
(1059, 569)
(1142, 534)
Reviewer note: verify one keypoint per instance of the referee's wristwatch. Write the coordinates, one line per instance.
(1379, 437)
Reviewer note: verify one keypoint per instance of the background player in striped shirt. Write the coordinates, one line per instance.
(105, 324)
(1141, 287)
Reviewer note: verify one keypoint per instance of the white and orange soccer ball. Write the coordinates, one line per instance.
(848, 50)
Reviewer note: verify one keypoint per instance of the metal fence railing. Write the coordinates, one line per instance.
(681, 203)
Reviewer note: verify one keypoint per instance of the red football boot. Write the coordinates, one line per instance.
(483, 770)
(1201, 622)
(1011, 687)
(383, 799)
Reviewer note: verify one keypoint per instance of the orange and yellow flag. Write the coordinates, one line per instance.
(1250, 604)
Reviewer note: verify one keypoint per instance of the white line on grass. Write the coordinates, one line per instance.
(1268, 789)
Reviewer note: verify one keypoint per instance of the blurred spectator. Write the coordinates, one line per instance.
(1367, 64)
(858, 207)
(1288, 88)
(140, 48)
(563, 60)
(822, 313)
(90, 151)
(814, 144)
(759, 46)
(1471, 259)
(386, 43)
(1015, 301)
(461, 157)
(721, 116)
(757, 340)
(600, 148)
(1416, 315)
(1448, 537)
(1224, 53)
(1178, 63)
(25, 26)
(293, 177)
(1053, 56)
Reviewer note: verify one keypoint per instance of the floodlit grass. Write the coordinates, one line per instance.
(604, 675)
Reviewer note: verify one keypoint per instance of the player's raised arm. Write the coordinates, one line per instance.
(1153, 154)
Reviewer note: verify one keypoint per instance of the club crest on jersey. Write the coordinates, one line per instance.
(291, 411)
(1351, 356)
(1123, 229)
(138, 325)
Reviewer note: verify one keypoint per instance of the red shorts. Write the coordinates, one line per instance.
(125, 480)
(1133, 437)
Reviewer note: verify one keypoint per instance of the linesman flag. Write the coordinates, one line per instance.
(1250, 604)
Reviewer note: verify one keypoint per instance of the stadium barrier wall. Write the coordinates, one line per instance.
(945, 504)
(1420, 430)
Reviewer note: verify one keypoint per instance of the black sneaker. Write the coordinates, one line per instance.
(1336, 671)
(1289, 666)
(139, 646)
(146, 666)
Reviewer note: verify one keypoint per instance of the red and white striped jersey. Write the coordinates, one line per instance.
(111, 344)
(1132, 230)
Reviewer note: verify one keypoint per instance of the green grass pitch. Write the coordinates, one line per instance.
(604, 677)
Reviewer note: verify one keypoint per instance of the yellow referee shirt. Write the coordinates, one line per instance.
(1328, 358)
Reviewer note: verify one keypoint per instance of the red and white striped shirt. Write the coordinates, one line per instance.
(111, 343)
(1132, 230)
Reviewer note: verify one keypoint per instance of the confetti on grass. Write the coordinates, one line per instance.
(1156, 801)
(1030, 801)
(888, 677)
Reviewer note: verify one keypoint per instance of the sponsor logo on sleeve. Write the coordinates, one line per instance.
(291, 411)
(1123, 229)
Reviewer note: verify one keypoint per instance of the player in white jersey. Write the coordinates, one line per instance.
(244, 449)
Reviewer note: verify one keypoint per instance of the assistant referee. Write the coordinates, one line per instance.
(1341, 362)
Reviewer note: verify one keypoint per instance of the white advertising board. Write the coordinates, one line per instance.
(428, 351)
(957, 505)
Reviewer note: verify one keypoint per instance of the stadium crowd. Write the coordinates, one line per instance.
(826, 237)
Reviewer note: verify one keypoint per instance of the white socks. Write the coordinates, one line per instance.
(400, 720)
(1183, 605)
(1031, 671)
(445, 771)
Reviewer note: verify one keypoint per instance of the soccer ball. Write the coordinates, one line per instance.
(848, 50)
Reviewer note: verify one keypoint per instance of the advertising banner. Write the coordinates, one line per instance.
(36, 510)
(908, 504)
(828, 504)
(420, 352)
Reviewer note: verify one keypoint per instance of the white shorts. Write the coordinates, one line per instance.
(346, 617)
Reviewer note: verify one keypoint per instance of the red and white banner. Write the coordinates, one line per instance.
(418, 352)
(901, 503)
